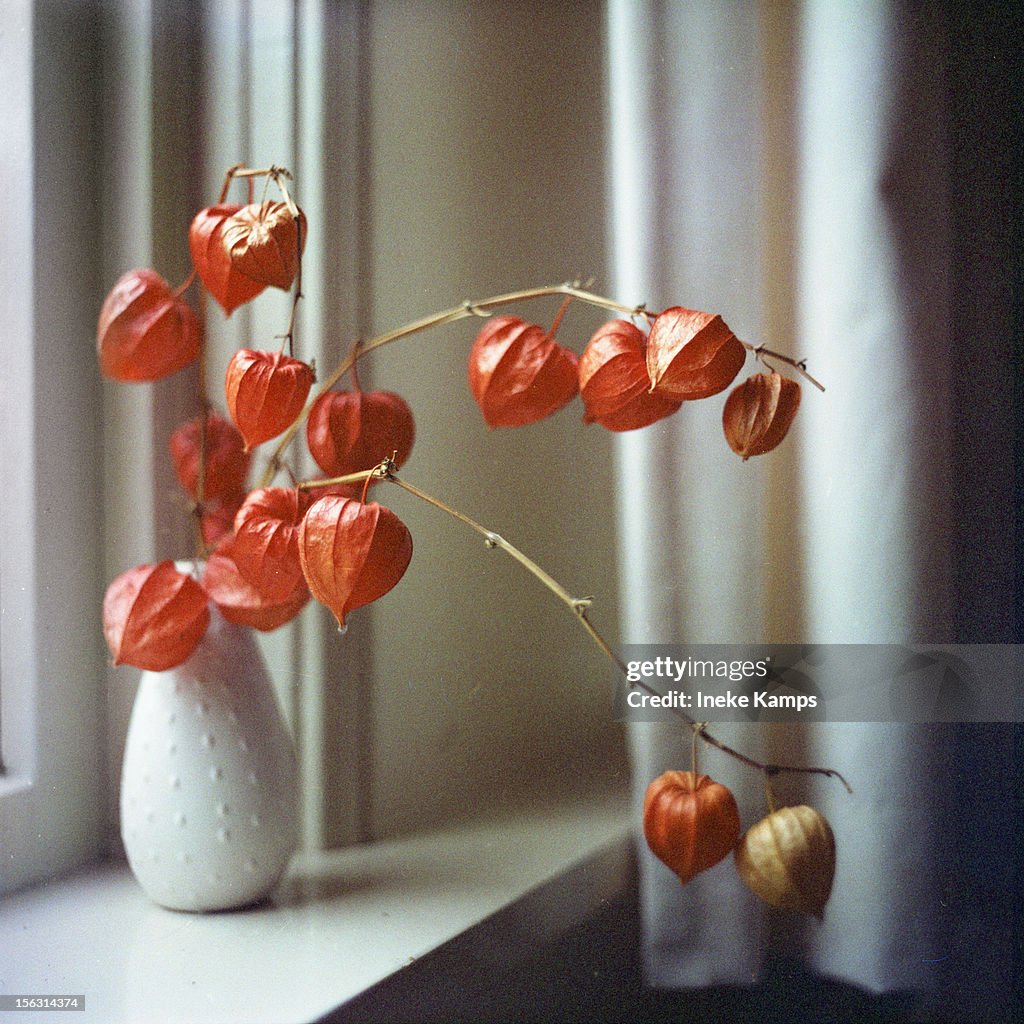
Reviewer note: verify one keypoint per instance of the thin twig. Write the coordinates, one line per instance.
(349, 478)
(204, 433)
(185, 285)
(289, 338)
(261, 172)
(800, 365)
(229, 175)
(580, 607)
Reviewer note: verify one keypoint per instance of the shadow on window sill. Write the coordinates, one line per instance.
(499, 974)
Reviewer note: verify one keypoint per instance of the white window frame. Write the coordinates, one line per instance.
(51, 660)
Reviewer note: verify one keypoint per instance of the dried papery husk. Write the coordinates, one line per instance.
(614, 384)
(262, 241)
(518, 375)
(154, 616)
(266, 540)
(352, 553)
(692, 355)
(227, 461)
(145, 333)
(690, 822)
(349, 431)
(242, 603)
(212, 261)
(265, 392)
(758, 413)
(789, 859)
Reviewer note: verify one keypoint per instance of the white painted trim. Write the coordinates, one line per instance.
(51, 649)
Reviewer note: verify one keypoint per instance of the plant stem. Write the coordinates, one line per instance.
(229, 174)
(348, 478)
(354, 356)
(289, 337)
(557, 322)
(185, 285)
(204, 412)
(580, 608)
(481, 308)
(799, 365)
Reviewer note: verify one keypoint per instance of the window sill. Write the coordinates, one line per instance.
(338, 924)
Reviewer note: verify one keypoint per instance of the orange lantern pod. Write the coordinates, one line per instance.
(145, 332)
(264, 242)
(266, 540)
(227, 461)
(692, 355)
(352, 553)
(518, 374)
(212, 261)
(614, 385)
(690, 822)
(265, 392)
(242, 603)
(758, 413)
(154, 616)
(349, 431)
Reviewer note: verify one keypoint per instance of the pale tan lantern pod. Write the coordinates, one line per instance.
(789, 860)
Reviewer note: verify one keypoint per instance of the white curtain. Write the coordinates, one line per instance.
(801, 170)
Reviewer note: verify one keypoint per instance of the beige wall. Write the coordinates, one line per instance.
(487, 174)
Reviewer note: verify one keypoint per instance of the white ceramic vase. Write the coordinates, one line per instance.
(209, 785)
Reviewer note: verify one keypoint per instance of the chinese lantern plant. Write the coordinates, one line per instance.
(690, 822)
(263, 552)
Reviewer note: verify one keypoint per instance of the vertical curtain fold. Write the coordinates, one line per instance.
(686, 504)
(873, 241)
